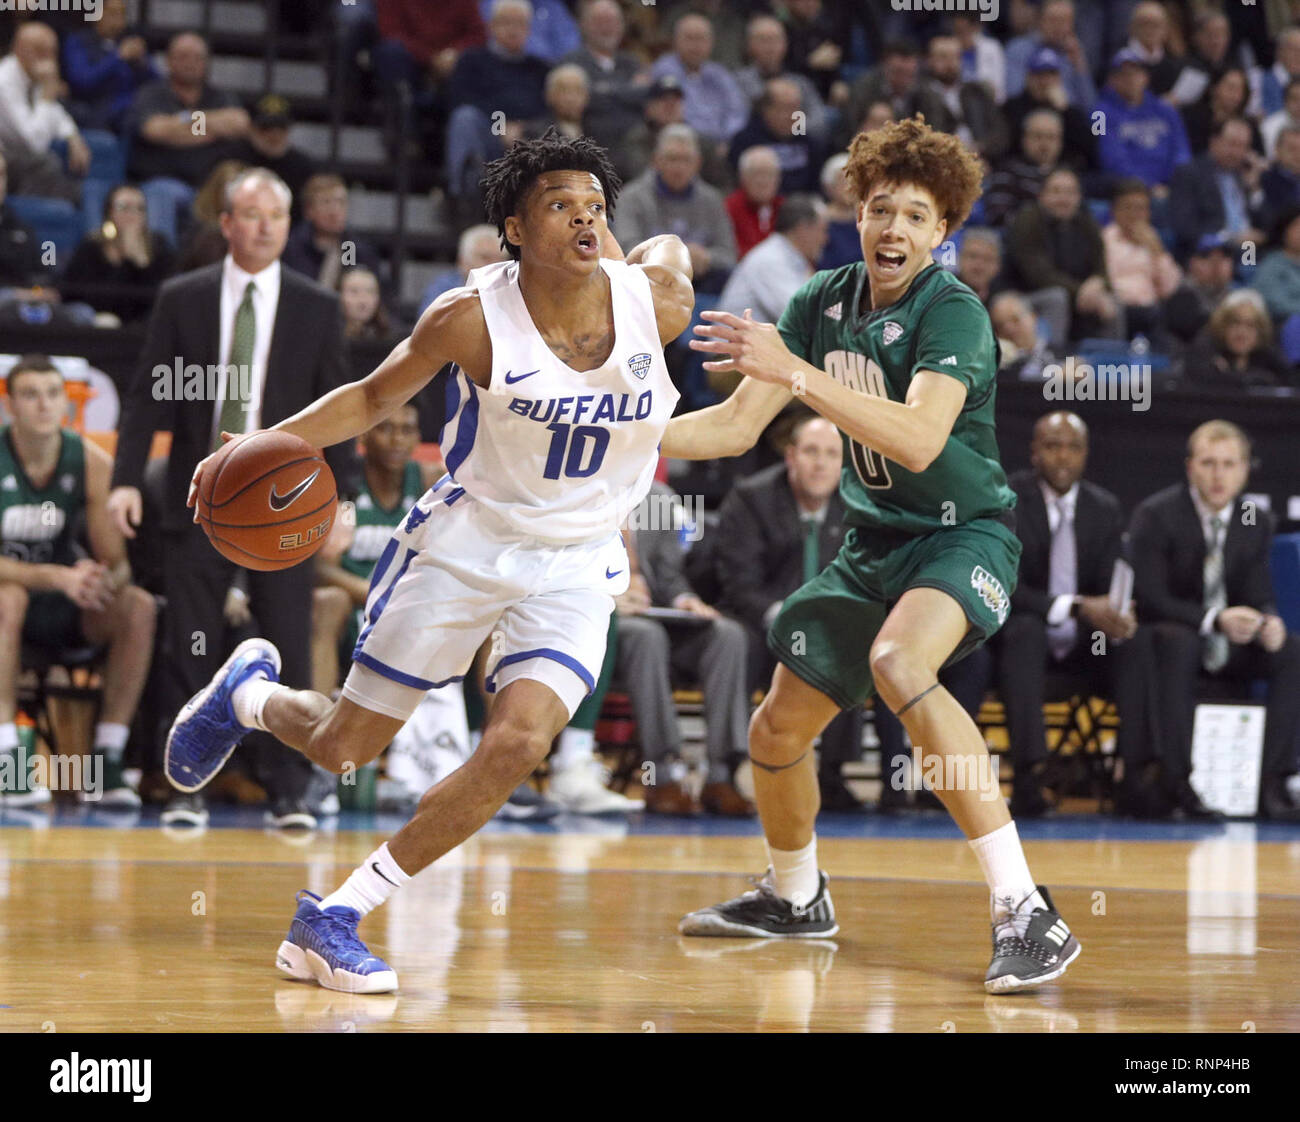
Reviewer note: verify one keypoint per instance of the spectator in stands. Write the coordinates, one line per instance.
(1278, 277)
(711, 648)
(118, 268)
(670, 198)
(32, 120)
(714, 107)
(364, 314)
(982, 57)
(1149, 40)
(267, 146)
(1055, 30)
(205, 244)
(970, 111)
(1207, 280)
(553, 32)
(843, 242)
(752, 207)
(818, 34)
(774, 270)
(896, 80)
(615, 77)
(321, 245)
(1216, 192)
(1055, 243)
(1061, 618)
(766, 44)
(1018, 179)
(1204, 586)
(1210, 56)
(979, 262)
(284, 335)
(727, 20)
(181, 127)
(20, 251)
(1044, 89)
(104, 68)
(501, 78)
(777, 123)
(1286, 117)
(1144, 136)
(566, 93)
(1275, 82)
(664, 105)
(1025, 351)
(1224, 98)
(1141, 272)
(1235, 350)
(478, 246)
(1280, 182)
(777, 529)
(52, 596)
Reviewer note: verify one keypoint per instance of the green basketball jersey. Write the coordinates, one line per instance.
(939, 324)
(37, 523)
(375, 524)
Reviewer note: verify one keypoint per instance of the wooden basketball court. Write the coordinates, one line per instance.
(133, 930)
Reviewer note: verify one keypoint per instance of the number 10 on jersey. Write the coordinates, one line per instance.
(583, 443)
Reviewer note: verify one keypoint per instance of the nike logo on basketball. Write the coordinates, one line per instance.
(375, 865)
(519, 377)
(611, 576)
(280, 502)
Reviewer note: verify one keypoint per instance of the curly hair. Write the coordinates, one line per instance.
(508, 180)
(910, 151)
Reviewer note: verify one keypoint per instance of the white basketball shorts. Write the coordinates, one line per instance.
(453, 576)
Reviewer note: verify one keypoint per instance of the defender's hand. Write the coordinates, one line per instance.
(753, 349)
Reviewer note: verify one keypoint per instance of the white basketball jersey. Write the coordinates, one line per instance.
(560, 454)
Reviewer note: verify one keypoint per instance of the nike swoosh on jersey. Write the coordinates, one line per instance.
(281, 502)
(518, 377)
(609, 575)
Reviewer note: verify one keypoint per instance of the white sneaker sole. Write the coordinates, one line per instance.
(199, 699)
(1009, 984)
(709, 925)
(37, 797)
(307, 966)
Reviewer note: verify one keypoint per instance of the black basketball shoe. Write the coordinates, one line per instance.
(763, 914)
(1029, 953)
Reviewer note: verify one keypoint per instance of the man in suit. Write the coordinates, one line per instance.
(1061, 616)
(1218, 192)
(708, 647)
(776, 530)
(281, 335)
(1201, 561)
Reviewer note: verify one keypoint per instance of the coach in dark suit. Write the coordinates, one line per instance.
(284, 335)
(1218, 192)
(777, 529)
(1201, 557)
(1061, 617)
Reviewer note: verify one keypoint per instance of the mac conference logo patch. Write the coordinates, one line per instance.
(892, 332)
(991, 592)
(639, 365)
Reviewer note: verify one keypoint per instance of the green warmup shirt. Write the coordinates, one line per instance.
(37, 523)
(939, 325)
(375, 524)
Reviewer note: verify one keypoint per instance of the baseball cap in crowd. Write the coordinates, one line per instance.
(1124, 56)
(1209, 243)
(666, 84)
(272, 111)
(1044, 59)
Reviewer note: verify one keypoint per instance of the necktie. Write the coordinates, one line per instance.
(1215, 653)
(811, 549)
(1062, 578)
(234, 414)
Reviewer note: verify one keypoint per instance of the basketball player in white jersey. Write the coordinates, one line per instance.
(558, 399)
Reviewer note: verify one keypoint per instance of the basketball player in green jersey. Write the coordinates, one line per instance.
(52, 596)
(901, 356)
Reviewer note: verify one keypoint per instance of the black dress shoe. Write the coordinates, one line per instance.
(1275, 801)
(1188, 804)
(1145, 801)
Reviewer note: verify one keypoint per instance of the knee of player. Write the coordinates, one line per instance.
(898, 673)
(141, 609)
(329, 607)
(13, 606)
(769, 736)
(516, 749)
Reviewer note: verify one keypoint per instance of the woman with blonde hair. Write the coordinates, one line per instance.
(1236, 347)
(205, 244)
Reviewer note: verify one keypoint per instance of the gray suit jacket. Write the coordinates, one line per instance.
(657, 541)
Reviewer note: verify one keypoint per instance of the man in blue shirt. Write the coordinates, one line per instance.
(1144, 135)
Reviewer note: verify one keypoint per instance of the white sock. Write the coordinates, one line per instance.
(8, 736)
(371, 883)
(576, 746)
(1002, 860)
(794, 872)
(111, 739)
(249, 699)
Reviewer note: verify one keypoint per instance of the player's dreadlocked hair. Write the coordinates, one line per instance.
(911, 151)
(506, 181)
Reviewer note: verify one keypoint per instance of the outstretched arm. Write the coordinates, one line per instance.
(728, 428)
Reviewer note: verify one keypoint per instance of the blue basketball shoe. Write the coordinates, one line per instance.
(323, 946)
(206, 731)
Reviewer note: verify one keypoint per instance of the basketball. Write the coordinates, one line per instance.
(268, 501)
